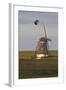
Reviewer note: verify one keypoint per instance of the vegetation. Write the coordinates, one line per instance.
(30, 54)
(33, 68)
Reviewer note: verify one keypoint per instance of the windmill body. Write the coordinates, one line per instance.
(41, 50)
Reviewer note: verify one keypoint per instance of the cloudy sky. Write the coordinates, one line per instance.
(29, 34)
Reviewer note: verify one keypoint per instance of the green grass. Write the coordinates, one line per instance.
(30, 54)
(32, 68)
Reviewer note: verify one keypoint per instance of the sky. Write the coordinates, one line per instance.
(29, 34)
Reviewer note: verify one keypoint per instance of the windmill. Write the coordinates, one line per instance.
(42, 49)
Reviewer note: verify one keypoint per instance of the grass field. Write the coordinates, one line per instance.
(32, 68)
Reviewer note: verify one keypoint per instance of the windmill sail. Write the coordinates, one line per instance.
(41, 49)
(45, 32)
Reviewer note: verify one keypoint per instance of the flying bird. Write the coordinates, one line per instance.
(36, 22)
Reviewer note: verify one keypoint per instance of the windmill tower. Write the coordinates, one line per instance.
(41, 49)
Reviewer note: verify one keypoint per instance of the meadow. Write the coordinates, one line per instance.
(30, 67)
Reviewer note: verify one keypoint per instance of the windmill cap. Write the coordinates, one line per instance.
(43, 39)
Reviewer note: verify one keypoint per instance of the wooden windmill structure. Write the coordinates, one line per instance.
(42, 49)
